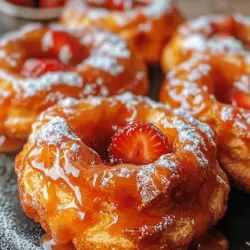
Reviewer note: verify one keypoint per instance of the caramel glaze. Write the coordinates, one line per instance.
(106, 65)
(148, 25)
(69, 189)
(198, 96)
(210, 61)
(212, 240)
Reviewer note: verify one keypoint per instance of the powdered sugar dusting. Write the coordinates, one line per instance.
(227, 113)
(146, 184)
(104, 63)
(31, 86)
(53, 132)
(215, 45)
(69, 102)
(54, 97)
(65, 54)
(196, 41)
(198, 36)
(242, 19)
(202, 24)
(204, 127)
(47, 41)
(30, 27)
(195, 142)
(4, 93)
(158, 8)
(2, 139)
(243, 84)
(108, 43)
(106, 50)
(10, 58)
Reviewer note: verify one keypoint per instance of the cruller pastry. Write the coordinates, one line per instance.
(147, 24)
(40, 65)
(216, 91)
(121, 172)
(226, 36)
(213, 84)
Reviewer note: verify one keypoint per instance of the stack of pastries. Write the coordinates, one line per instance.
(104, 167)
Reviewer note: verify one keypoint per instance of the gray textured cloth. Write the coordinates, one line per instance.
(17, 231)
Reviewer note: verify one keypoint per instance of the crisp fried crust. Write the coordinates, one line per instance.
(215, 70)
(221, 35)
(148, 26)
(102, 64)
(67, 186)
(200, 86)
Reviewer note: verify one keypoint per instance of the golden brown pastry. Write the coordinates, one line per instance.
(40, 65)
(121, 173)
(147, 24)
(216, 90)
(223, 36)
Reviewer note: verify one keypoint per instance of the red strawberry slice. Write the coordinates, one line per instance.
(39, 67)
(226, 27)
(67, 47)
(51, 3)
(241, 100)
(138, 143)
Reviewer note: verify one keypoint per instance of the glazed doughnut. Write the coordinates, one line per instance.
(216, 90)
(62, 62)
(75, 184)
(224, 35)
(147, 24)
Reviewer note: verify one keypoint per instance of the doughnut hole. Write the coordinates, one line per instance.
(58, 48)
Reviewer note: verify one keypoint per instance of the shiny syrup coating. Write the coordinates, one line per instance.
(215, 68)
(148, 24)
(68, 187)
(212, 240)
(99, 62)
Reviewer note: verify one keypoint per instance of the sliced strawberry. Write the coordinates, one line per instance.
(138, 143)
(67, 47)
(51, 3)
(39, 67)
(226, 27)
(241, 100)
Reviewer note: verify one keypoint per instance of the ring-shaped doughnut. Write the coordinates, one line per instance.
(223, 35)
(69, 62)
(148, 25)
(78, 197)
(204, 86)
